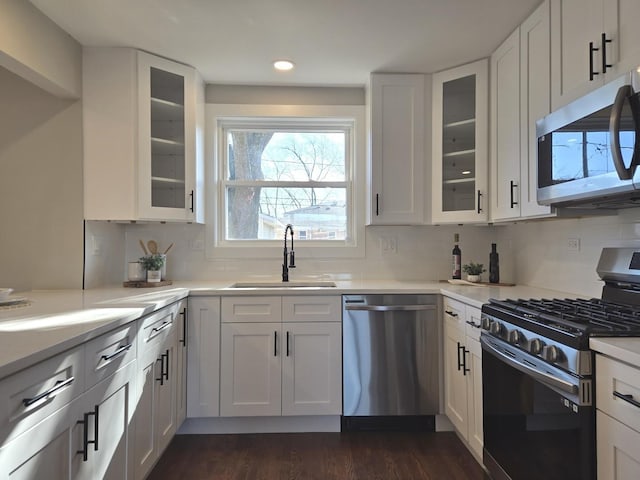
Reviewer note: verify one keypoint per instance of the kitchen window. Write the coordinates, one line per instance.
(277, 170)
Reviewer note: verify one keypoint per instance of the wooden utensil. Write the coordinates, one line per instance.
(144, 249)
(152, 246)
(168, 248)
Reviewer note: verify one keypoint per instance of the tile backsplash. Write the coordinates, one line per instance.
(537, 253)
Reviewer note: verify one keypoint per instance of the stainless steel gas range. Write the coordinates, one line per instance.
(539, 378)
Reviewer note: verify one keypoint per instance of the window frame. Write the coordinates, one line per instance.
(218, 116)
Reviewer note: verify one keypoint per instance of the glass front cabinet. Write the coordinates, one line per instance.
(460, 144)
(143, 120)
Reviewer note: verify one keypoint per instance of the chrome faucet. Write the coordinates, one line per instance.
(290, 262)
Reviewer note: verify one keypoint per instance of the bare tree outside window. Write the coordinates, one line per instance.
(275, 177)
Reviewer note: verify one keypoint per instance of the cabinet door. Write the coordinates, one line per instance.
(203, 338)
(574, 25)
(474, 395)
(623, 53)
(181, 364)
(618, 449)
(455, 394)
(166, 150)
(312, 369)
(250, 369)
(505, 129)
(535, 97)
(397, 149)
(43, 452)
(166, 393)
(460, 144)
(107, 410)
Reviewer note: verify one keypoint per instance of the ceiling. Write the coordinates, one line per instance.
(332, 42)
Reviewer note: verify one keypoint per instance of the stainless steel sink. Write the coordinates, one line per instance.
(310, 284)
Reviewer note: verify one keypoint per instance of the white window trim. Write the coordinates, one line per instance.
(217, 248)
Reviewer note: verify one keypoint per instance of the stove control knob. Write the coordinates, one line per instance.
(515, 337)
(496, 329)
(535, 346)
(485, 323)
(551, 353)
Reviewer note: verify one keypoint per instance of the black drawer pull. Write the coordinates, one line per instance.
(119, 351)
(183, 341)
(85, 434)
(164, 326)
(627, 398)
(60, 384)
(449, 312)
(592, 73)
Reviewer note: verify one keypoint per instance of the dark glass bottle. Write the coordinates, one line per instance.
(494, 266)
(457, 259)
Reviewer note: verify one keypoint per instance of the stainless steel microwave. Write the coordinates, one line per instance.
(589, 150)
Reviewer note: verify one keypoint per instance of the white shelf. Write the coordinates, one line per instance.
(460, 153)
(165, 180)
(164, 146)
(459, 181)
(166, 110)
(461, 123)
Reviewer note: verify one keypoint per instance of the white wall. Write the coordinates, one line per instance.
(40, 187)
(35, 48)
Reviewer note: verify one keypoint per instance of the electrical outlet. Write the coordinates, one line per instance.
(388, 245)
(573, 244)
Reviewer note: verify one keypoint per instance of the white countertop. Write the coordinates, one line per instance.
(624, 349)
(55, 321)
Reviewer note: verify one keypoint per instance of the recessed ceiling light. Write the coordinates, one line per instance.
(283, 65)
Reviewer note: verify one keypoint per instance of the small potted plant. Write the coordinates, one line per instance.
(153, 265)
(473, 271)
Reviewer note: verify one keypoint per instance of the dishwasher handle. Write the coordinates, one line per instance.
(390, 308)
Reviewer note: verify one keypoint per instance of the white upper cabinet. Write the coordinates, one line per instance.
(397, 195)
(593, 41)
(460, 144)
(143, 148)
(520, 95)
(505, 129)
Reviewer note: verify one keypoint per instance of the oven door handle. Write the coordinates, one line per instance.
(390, 308)
(540, 376)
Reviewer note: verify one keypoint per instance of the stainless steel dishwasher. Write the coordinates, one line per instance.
(391, 361)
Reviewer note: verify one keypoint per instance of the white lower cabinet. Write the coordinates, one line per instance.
(181, 363)
(617, 419)
(463, 372)
(203, 357)
(89, 437)
(289, 367)
(155, 412)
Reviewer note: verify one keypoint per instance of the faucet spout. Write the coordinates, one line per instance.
(288, 257)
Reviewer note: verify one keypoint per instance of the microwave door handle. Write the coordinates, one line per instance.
(623, 94)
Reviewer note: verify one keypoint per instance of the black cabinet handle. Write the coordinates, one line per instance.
(191, 195)
(85, 434)
(164, 371)
(591, 50)
(60, 384)
(183, 341)
(449, 312)
(164, 326)
(275, 343)
(605, 65)
(287, 343)
(513, 202)
(627, 398)
(118, 352)
(377, 204)
(464, 361)
(459, 360)
(473, 324)
(479, 197)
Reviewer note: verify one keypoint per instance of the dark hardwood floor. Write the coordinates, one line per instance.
(306, 456)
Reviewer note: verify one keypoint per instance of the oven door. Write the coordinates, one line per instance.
(538, 420)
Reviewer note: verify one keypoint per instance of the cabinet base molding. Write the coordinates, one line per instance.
(320, 423)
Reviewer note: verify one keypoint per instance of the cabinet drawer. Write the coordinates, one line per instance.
(615, 377)
(108, 353)
(251, 309)
(454, 312)
(155, 328)
(29, 396)
(311, 309)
